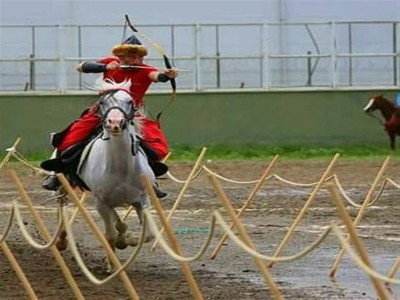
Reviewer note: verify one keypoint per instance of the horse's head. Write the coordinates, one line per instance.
(378, 102)
(116, 106)
(374, 103)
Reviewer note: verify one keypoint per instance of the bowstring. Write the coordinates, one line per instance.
(161, 51)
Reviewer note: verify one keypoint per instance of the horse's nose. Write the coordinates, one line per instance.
(114, 124)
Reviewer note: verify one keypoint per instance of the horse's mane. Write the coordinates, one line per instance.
(380, 97)
(107, 84)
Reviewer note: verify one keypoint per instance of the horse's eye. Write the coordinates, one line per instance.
(102, 100)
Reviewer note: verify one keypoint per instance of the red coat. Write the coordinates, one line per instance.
(86, 124)
(139, 78)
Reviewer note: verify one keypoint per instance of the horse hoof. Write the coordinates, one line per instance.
(120, 243)
(121, 227)
(62, 245)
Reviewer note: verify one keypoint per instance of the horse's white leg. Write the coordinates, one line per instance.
(121, 227)
(62, 242)
(108, 215)
(131, 239)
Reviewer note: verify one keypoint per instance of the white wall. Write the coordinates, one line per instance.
(18, 42)
(194, 11)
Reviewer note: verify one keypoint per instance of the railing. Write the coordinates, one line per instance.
(219, 56)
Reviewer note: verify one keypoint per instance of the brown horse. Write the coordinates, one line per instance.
(390, 112)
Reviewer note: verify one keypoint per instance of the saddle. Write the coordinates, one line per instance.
(69, 161)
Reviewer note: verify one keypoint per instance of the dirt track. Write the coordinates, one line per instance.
(233, 274)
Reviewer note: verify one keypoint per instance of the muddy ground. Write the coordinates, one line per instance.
(233, 274)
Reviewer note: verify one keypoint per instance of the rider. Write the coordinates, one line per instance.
(120, 67)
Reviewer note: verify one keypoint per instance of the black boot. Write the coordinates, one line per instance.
(51, 183)
(160, 194)
(158, 167)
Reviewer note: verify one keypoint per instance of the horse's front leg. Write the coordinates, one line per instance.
(121, 227)
(108, 215)
(62, 242)
(131, 239)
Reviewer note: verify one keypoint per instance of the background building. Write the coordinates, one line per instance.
(224, 44)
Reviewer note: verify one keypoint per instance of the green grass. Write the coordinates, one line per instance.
(259, 152)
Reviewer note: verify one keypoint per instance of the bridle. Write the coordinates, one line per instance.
(370, 113)
(128, 116)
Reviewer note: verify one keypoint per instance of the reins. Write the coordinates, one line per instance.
(128, 118)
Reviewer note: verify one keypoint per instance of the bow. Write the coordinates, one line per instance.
(161, 51)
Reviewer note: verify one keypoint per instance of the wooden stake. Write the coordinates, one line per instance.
(245, 205)
(20, 273)
(44, 232)
(353, 235)
(172, 239)
(9, 153)
(245, 237)
(360, 213)
(182, 192)
(305, 207)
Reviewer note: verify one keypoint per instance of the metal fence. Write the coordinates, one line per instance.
(218, 56)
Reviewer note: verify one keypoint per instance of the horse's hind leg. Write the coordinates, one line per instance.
(392, 137)
(62, 242)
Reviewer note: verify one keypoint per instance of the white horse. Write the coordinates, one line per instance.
(114, 164)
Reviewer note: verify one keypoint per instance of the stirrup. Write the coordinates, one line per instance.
(51, 183)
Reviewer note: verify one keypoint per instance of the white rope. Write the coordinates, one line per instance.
(173, 178)
(89, 275)
(256, 254)
(28, 237)
(158, 236)
(357, 260)
(343, 193)
(393, 183)
(351, 202)
(24, 161)
(297, 183)
(231, 180)
(379, 194)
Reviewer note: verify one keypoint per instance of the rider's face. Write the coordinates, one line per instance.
(130, 59)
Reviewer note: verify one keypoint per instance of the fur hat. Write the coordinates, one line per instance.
(130, 46)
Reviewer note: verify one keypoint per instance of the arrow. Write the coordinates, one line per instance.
(133, 67)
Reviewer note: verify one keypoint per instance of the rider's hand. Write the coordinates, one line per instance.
(171, 73)
(113, 65)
